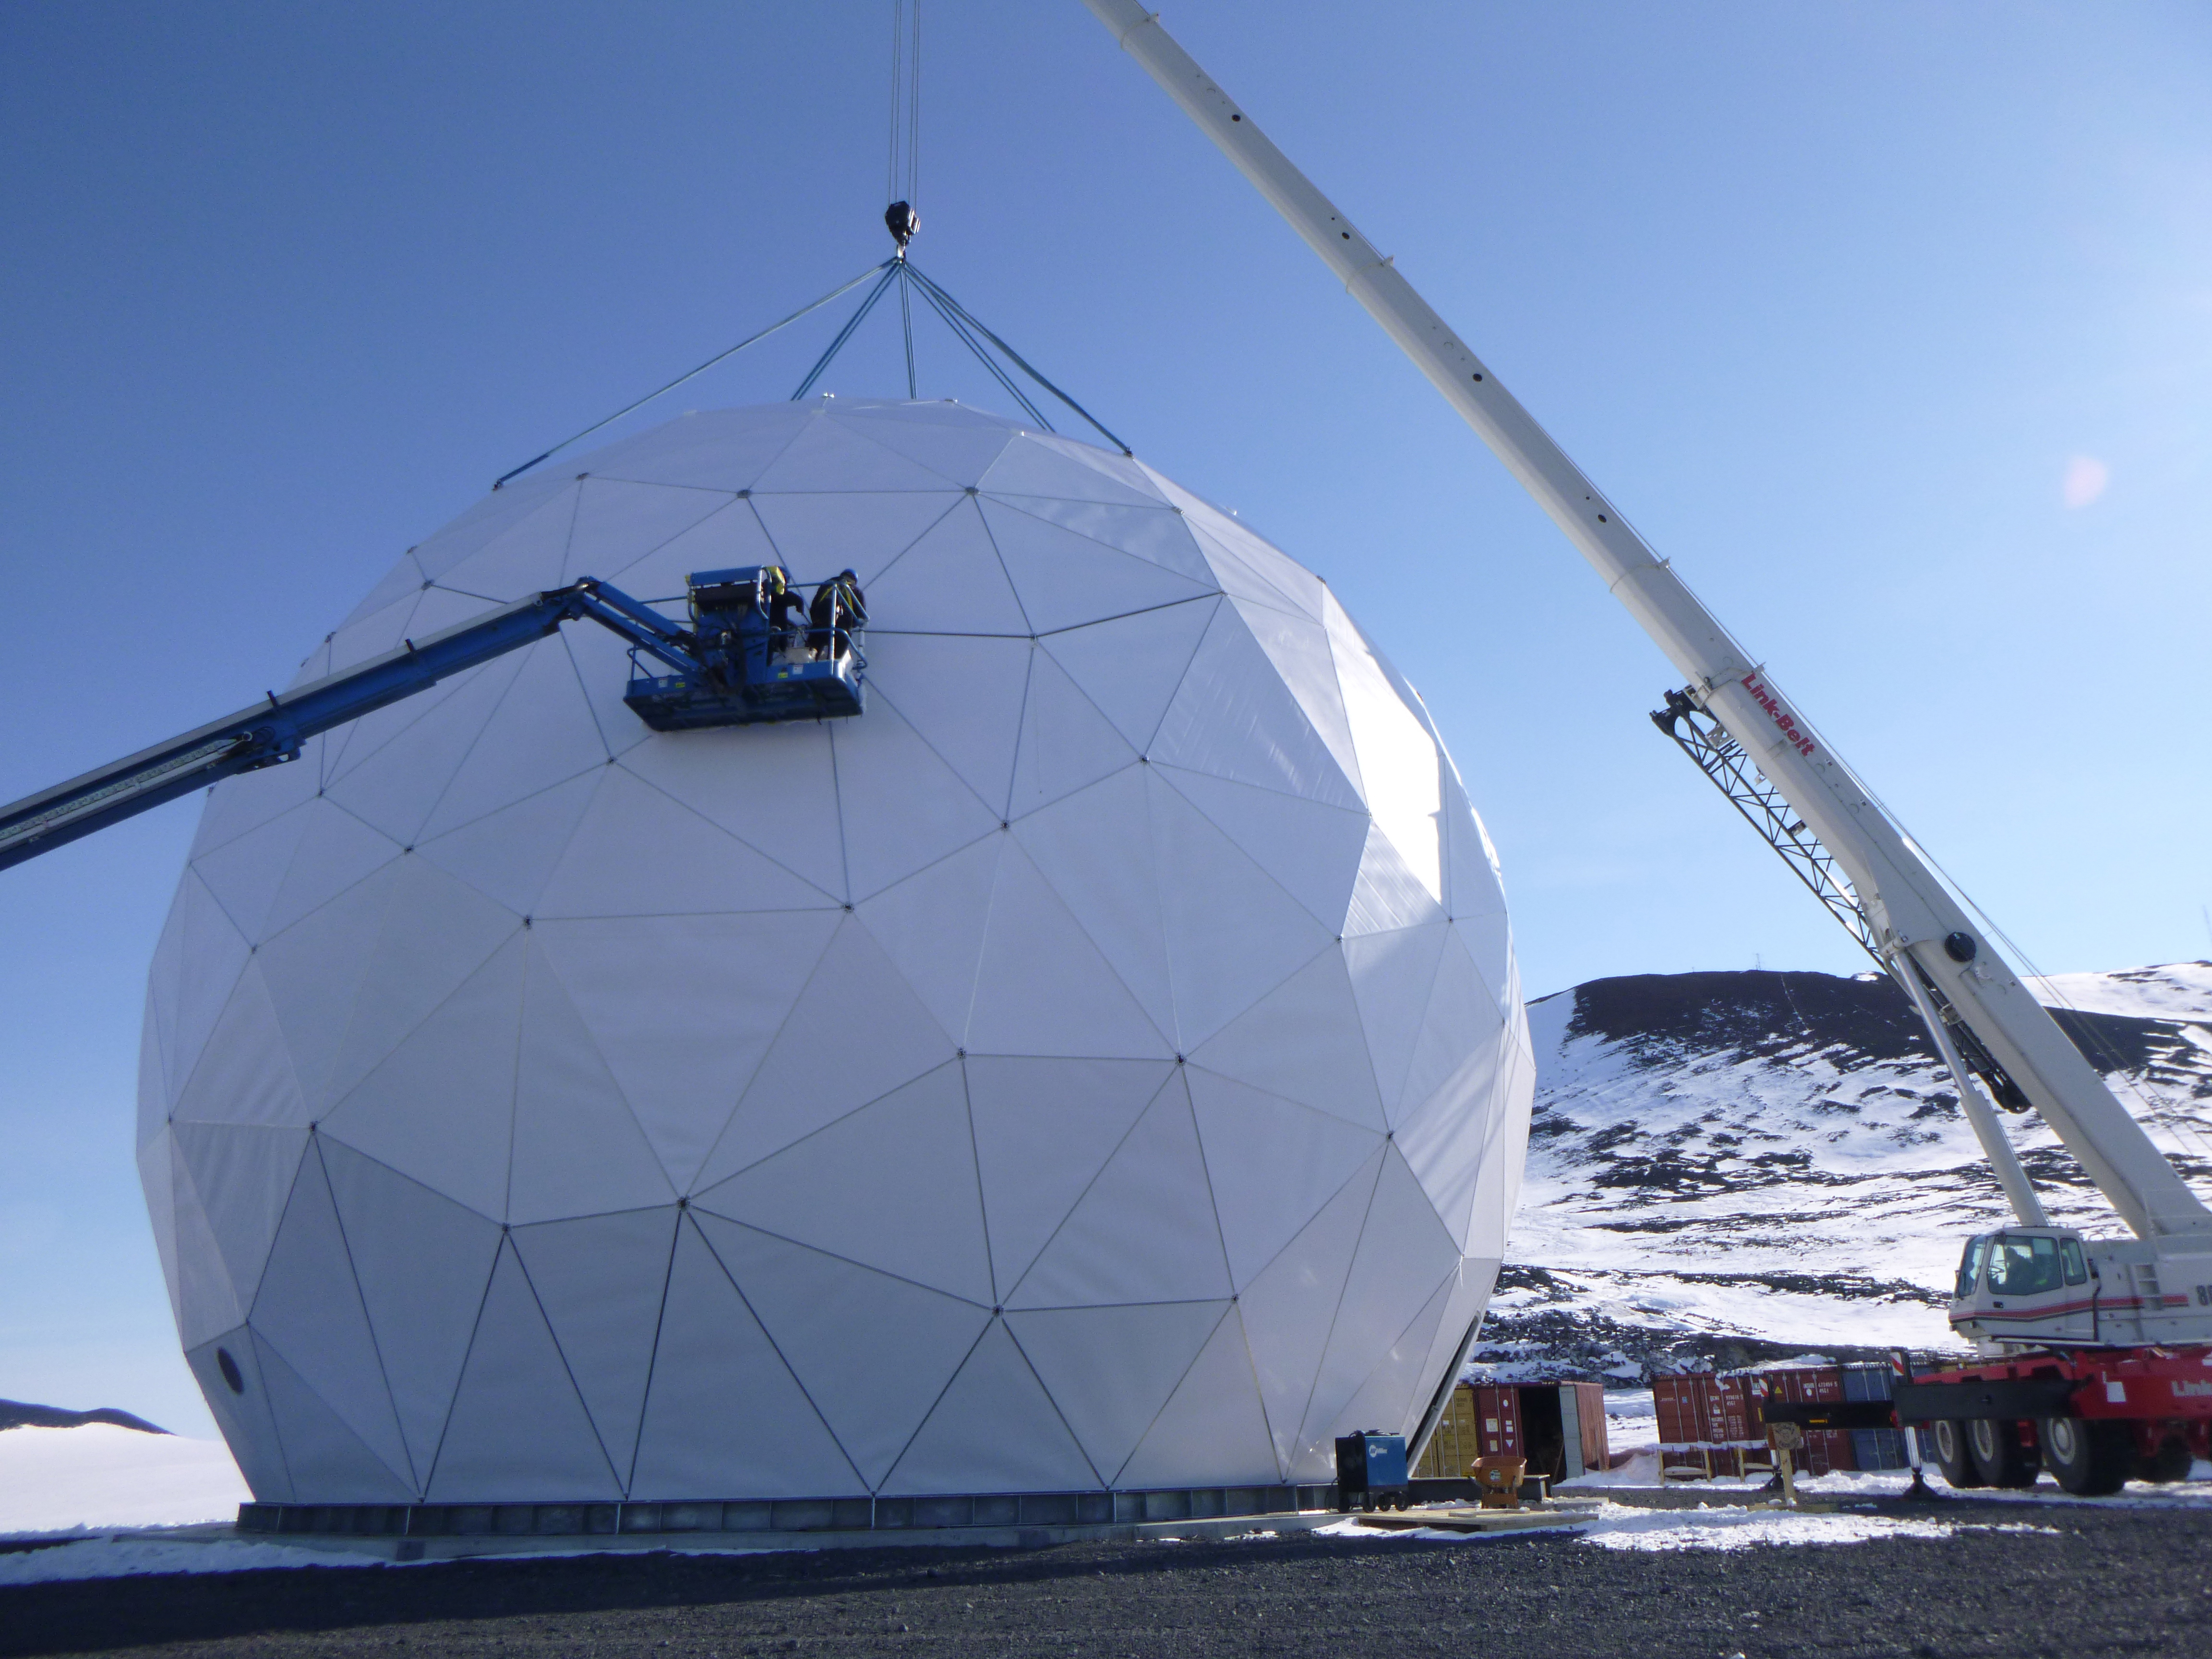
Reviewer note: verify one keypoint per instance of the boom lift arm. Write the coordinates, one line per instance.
(721, 675)
(1921, 934)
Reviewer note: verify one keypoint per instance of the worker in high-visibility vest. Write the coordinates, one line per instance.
(837, 608)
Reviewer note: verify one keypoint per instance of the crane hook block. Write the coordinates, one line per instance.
(764, 654)
(902, 221)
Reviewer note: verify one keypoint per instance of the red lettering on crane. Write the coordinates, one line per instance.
(1779, 715)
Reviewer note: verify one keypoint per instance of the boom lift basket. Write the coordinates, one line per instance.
(755, 671)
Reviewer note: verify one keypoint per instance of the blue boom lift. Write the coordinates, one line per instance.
(733, 665)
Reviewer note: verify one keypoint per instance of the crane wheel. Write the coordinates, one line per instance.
(2168, 1463)
(2090, 1459)
(1999, 1458)
(1949, 1440)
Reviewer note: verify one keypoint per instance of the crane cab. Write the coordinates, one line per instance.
(763, 659)
(2026, 1284)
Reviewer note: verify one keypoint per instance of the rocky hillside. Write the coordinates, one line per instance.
(1740, 1166)
(22, 1415)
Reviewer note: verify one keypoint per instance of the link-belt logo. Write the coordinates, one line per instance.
(1766, 699)
(2182, 1389)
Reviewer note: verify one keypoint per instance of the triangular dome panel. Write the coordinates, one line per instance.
(931, 926)
(827, 455)
(1271, 1164)
(725, 1417)
(836, 1325)
(638, 852)
(1388, 896)
(956, 445)
(322, 1454)
(541, 734)
(1039, 465)
(1293, 1042)
(532, 512)
(963, 695)
(1094, 850)
(1393, 1394)
(240, 1179)
(823, 1063)
(729, 537)
(723, 449)
(1392, 977)
(1132, 666)
(891, 1187)
(1291, 1309)
(1065, 581)
(1156, 534)
(1067, 744)
(1044, 1129)
(580, 1146)
(619, 522)
(518, 1432)
(1214, 1428)
(509, 855)
(1312, 849)
(308, 1307)
(682, 1010)
(1145, 1230)
(818, 536)
(422, 1321)
(1233, 931)
(774, 788)
(245, 1075)
(1405, 1253)
(400, 1113)
(1232, 718)
(994, 1415)
(1042, 986)
(902, 807)
(1109, 1370)
(601, 1281)
(950, 581)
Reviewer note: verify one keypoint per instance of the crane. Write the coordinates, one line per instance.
(730, 666)
(2022, 1290)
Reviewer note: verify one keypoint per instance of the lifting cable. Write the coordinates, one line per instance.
(906, 105)
(754, 339)
(906, 98)
(901, 167)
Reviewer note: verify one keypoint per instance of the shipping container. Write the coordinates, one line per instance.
(1560, 1428)
(1715, 1424)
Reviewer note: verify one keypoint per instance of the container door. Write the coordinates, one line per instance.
(1597, 1452)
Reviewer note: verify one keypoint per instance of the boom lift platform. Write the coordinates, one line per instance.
(2071, 1314)
(730, 667)
(751, 670)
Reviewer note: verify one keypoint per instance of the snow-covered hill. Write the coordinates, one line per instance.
(1737, 1166)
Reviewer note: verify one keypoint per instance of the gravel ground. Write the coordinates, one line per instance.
(2098, 1581)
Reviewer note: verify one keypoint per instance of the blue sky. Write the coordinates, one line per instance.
(1891, 324)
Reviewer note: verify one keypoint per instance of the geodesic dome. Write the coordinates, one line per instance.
(1100, 1064)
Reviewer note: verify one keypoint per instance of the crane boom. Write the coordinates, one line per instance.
(1924, 933)
(721, 676)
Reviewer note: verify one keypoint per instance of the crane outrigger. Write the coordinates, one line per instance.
(2021, 1292)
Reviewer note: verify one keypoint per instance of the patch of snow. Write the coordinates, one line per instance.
(101, 1476)
(2173, 990)
(1740, 1529)
(1619, 1526)
(130, 1558)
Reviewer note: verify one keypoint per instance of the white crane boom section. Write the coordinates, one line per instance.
(1913, 911)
